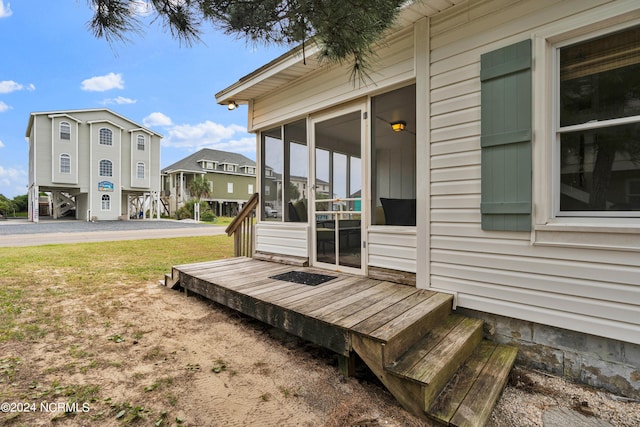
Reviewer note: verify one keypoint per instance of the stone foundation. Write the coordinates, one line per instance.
(588, 359)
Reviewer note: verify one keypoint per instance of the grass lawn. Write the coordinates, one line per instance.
(63, 300)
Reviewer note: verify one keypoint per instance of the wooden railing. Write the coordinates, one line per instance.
(242, 228)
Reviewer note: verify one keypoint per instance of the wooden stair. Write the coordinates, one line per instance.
(436, 363)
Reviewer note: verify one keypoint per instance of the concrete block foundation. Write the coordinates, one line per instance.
(596, 361)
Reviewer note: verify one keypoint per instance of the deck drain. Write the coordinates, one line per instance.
(303, 278)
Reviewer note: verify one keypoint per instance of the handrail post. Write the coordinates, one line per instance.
(243, 230)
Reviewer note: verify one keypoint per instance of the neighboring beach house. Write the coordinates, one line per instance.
(95, 163)
(231, 177)
(494, 156)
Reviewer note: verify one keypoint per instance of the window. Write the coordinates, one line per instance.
(106, 202)
(106, 136)
(230, 168)
(272, 171)
(141, 142)
(106, 168)
(65, 163)
(65, 131)
(250, 189)
(229, 187)
(285, 173)
(393, 159)
(140, 170)
(598, 133)
(296, 170)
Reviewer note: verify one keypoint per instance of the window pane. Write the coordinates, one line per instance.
(106, 168)
(297, 167)
(273, 168)
(600, 78)
(393, 158)
(65, 131)
(65, 163)
(323, 188)
(140, 142)
(106, 136)
(600, 169)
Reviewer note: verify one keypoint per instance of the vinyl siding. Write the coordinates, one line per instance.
(287, 239)
(393, 249)
(588, 290)
(329, 87)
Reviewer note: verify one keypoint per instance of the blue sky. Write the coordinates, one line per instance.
(50, 60)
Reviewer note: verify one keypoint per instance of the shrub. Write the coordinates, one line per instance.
(208, 216)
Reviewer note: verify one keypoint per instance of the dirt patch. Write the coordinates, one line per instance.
(152, 356)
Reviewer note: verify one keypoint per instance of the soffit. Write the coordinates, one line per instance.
(303, 60)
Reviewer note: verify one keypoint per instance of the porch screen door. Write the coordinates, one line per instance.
(337, 177)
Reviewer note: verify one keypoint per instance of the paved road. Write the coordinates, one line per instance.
(18, 232)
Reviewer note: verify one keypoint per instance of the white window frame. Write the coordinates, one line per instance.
(138, 166)
(250, 189)
(558, 131)
(105, 199)
(229, 187)
(141, 141)
(67, 157)
(605, 233)
(103, 140)
(100, 169)
(65, 136)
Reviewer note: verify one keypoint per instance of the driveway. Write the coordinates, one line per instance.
(19, 232)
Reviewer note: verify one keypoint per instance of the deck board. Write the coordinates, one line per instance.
(328, 312)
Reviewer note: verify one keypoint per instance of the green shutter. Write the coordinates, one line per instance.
(506, 138)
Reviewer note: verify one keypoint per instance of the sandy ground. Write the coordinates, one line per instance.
(152, 356)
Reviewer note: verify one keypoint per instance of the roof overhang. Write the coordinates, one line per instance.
(303, 60)
(68, 113)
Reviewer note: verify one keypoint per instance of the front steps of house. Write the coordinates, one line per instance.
(438, 365)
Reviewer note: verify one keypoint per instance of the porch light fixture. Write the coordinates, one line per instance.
(232, 105)
(398, 126)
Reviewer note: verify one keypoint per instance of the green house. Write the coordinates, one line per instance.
(231, 177)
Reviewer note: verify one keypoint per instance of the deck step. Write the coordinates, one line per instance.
(172, 281)
(470, 396)
(434, 359)
(401, 333)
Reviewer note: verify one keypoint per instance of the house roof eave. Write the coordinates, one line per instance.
(303, 60)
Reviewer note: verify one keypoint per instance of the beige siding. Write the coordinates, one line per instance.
(331, 86)
(587, 290)
(287, 239)
(392, 248)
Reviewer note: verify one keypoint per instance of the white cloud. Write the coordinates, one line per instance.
(8, 86)
(13, 182)
(4, 107)
(5, 11)
(121, 100)
(211, 135)
(103, 83)
(1, 144)
(157, 119)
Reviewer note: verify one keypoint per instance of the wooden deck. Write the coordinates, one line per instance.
(326, 314)
(432, 360)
